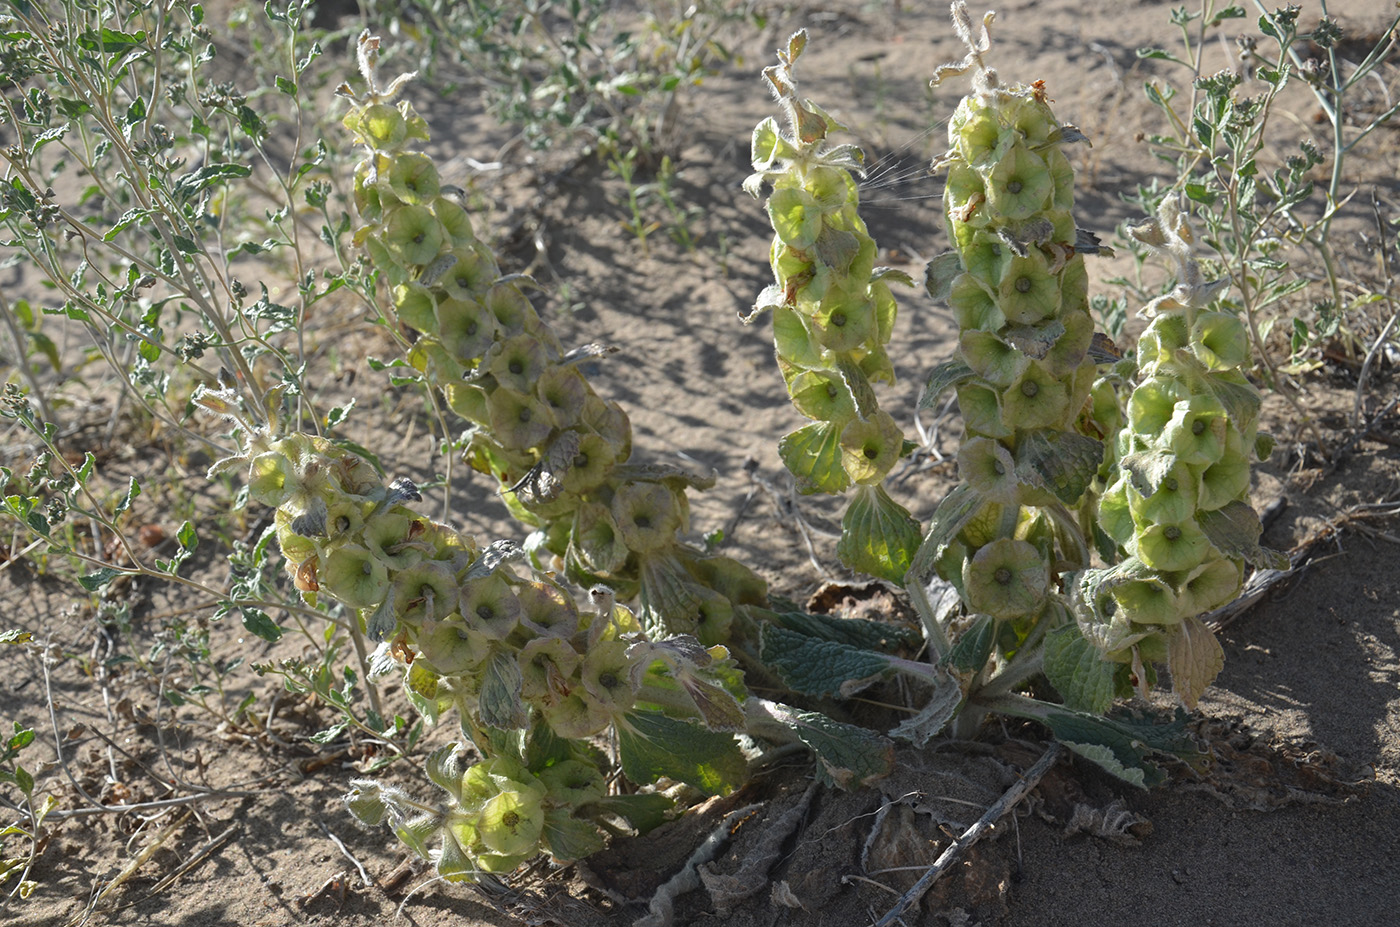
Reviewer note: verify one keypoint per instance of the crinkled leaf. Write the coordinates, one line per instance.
(1122, 743)
(973, 648)
(847, 756)
(1062, 462)
(952, 514)
(568, 838)
(813, 454)
(1078, 670)
(495, 554)
(645, 811)
(677, 477)
(812, 666)
(257, 622)
(99, 578)
(500, 704)
(187, 185)
(868, 635)
(859, 385)
(942, 271)
(878, 535)
(1194, 658)
(1147, 469)
(652, 745)
(943, 378)
(1241, 400)
(1234, 530)
(939, 708)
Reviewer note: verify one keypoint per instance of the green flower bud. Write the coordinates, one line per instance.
(548, 666)
(1225, 481)
(989, 469)
(413, 235)
(390, 537)
(590, 465)
(1197, 430)
(1152, 405)
(1028, 291)
(1006, 579)
(466, 328)
(469, 401)
(415, 306)
(1219, 340)
(974, 306)
(1148, 601)
(456, 222)
(517, 363)
(414, 178)
(576, 717)
(965, 197)
(564, 391)
(547, 610)
(1163, 338)
(573, 783)
(987, 258)
(794, 341)
(605, 676)
(354, 576)
(647, 515)
(381, 125)
(271, 479)
(845, 320)
(452, 648)
(1171, 547)
(425, 592)
(596, 541)
(981, 411)
(1037, 399)
(473, 271)
(796, 217)
(510, 825)
(344, 519)
(870, 449)
(1173, 501)
(978, 134)
(991, 358)
(1020, 185)
(1210, 585)
(822, 395)
(489, 605)
(518, 420)
(1115, 512)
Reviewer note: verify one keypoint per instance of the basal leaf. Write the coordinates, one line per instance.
(847, 756)
(644, 810)
(878, 535)
(1078, 670)
(813, 454)
(972, 649)
(939, 708)
(868, 635)
(812, 666)
(652, 745)
(500, 703)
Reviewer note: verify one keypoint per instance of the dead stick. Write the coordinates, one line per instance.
(975, 833)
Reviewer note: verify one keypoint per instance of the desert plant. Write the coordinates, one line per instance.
(833, 314)
(560, 452)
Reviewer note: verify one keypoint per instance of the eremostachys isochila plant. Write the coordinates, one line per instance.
(560, 452)
(534, 679)
(833, 314)
(531, 677)
(1179, 505)
(1018, 288)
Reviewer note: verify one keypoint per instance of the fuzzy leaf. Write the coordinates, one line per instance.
(943, 378)
(1241, 400)
(847, 756)
(652, 745)
(500, 704)
(644, 810)
(1147, 469)
(878, 536)
(811, 666)
(867, 635)
(1061, 462)
(1195, 658)
(952, 514)
(1234, 530)
(813, 454)
(938, 710)
(973, 648)
(1078, 671)
(859, 385)
(942, 271)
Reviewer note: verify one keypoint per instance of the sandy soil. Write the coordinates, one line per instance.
(1297, 821)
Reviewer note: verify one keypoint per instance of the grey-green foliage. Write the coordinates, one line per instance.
(1179, 504)
(833, 315)
(560, 452)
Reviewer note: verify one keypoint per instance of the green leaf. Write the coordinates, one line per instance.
(46, 347)
(811, 666)
(878, 535)
(256, 621)
(652, 745)
(189, 185)
(111, 41)
(96, 580)
(499, 703)
(1122, 744)
(859, 384)
(974, 646)
(848, 757)
(1062, 462)
(15, 636)
(133, 490)
(867, 635)
(1194, 658)
(1234, 530)
(645, 811)
(813, 454)
(289, 87)
(939, 708)
(952, 514)
(187, 537)
(1078, 671)
(941, 272)
(943, 378)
